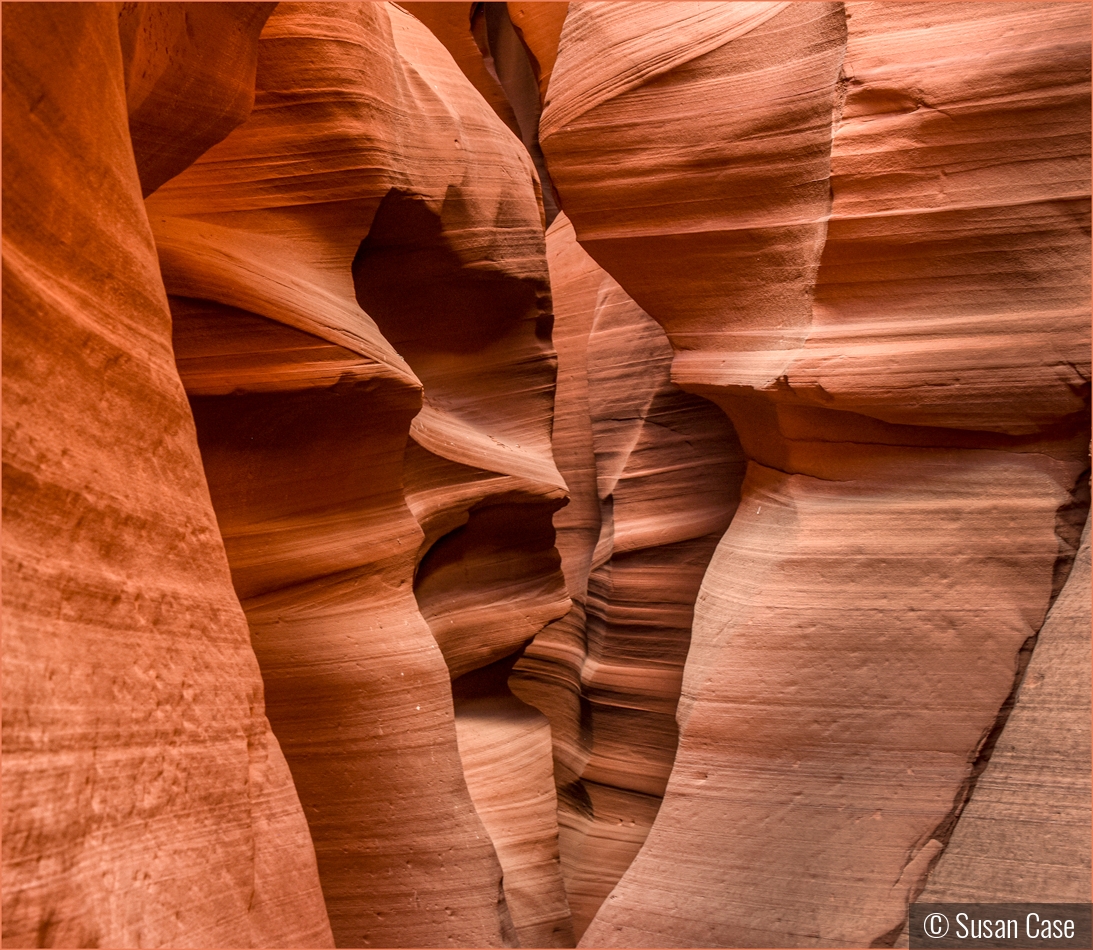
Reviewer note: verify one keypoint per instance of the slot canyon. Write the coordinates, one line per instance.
(542, 474)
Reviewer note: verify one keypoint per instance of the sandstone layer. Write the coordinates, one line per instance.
(1024, 834)
(654, 473)
(357, 553)
(842, 262)
(146, 802)
(703, 568)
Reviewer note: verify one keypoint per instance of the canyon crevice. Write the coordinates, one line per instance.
(542, 474)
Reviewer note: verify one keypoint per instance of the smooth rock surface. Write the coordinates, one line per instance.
(674, 577)
(823, 740)
(505, 748)
(463, 34)
(539, 24)
(1024, 834)
(495, 56)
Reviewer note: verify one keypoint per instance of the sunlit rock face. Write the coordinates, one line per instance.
(146, 802)
(699, 565)
(842, 261)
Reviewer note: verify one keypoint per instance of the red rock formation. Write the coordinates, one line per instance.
(189, 78)
(896, 538)
(858, 231)
(146, 802)
(465, 31)
(463, 292)
(439, 238)
(539, 25)
(461, 27)
(658, 471)
(494, 56)
(505, 747)
(1024, 834)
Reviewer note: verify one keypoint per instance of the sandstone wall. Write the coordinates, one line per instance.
(146, 802)
(829, 209)
(656, 472)
(369, 498)
(703, 568)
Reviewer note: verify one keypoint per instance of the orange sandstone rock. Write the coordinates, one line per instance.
(461, 288)
(189, 78)
(146, 802)
(666, 475)
(823, 739)
(1024, 834)
(858, 231)
(464, 36)
(841, 259)
(539, 25)
(321, 204)
(505, 747)
(493, 54)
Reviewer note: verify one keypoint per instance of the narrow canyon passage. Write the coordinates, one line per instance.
(543, 474)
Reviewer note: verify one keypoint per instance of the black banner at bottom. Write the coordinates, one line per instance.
(1000, 926)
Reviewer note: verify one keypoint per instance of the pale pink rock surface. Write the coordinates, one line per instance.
(818, 751)
(505, 748)
(1024, 834)
(146, 802)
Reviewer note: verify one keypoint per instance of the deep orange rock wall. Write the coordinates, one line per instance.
(146, 802)
(376, 505)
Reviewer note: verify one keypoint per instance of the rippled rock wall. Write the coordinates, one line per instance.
(518, 474)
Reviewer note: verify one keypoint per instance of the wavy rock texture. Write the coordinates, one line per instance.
(843, 262)
(492, 51)
(189, 78)
(319, 205)
(464, 293)
(658, 471)
(819, 408)
(146, 802)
